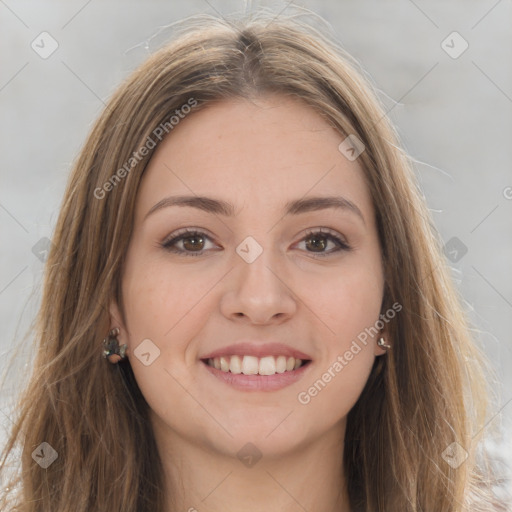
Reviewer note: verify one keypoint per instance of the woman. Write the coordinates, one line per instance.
(244, 241)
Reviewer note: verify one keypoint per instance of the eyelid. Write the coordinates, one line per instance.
(338, 238)
(186, 231)
(179, 235)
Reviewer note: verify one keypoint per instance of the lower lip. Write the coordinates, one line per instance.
(258, 382)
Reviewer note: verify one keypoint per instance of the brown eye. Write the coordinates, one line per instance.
(316, 243)
(189, 243)
(324, 243)
(193, 243)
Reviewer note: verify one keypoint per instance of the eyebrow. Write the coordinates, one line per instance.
(220, 207)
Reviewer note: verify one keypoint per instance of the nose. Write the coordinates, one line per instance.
(258, 293)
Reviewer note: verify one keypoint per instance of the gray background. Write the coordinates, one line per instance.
(454, 116)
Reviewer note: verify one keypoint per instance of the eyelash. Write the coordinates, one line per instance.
(190, 233)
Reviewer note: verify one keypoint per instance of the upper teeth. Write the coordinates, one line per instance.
(250, 365)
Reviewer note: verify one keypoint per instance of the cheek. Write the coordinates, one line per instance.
(160, 299)
(335, 389)
(168, 306)
(348, 305)
(347, 301)
(159, 305)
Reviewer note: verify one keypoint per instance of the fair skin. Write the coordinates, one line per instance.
(257, 155)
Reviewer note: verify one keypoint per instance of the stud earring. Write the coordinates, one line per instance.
(111, 349)
(382, 343)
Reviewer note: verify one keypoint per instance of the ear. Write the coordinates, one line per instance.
(116, 320)
(383, 333)
(380, 351)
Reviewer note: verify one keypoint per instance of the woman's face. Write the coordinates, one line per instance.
(269, 271)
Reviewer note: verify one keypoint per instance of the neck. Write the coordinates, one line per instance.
(199, 478)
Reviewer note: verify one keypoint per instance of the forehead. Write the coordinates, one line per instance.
(264, 153)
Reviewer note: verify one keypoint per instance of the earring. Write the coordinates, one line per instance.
(111, 349)
(382, 343)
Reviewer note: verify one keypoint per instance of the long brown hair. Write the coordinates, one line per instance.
(427, 393)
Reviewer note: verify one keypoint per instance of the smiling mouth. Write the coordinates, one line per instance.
(251, 365)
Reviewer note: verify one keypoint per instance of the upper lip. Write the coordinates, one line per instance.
(257, 349)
